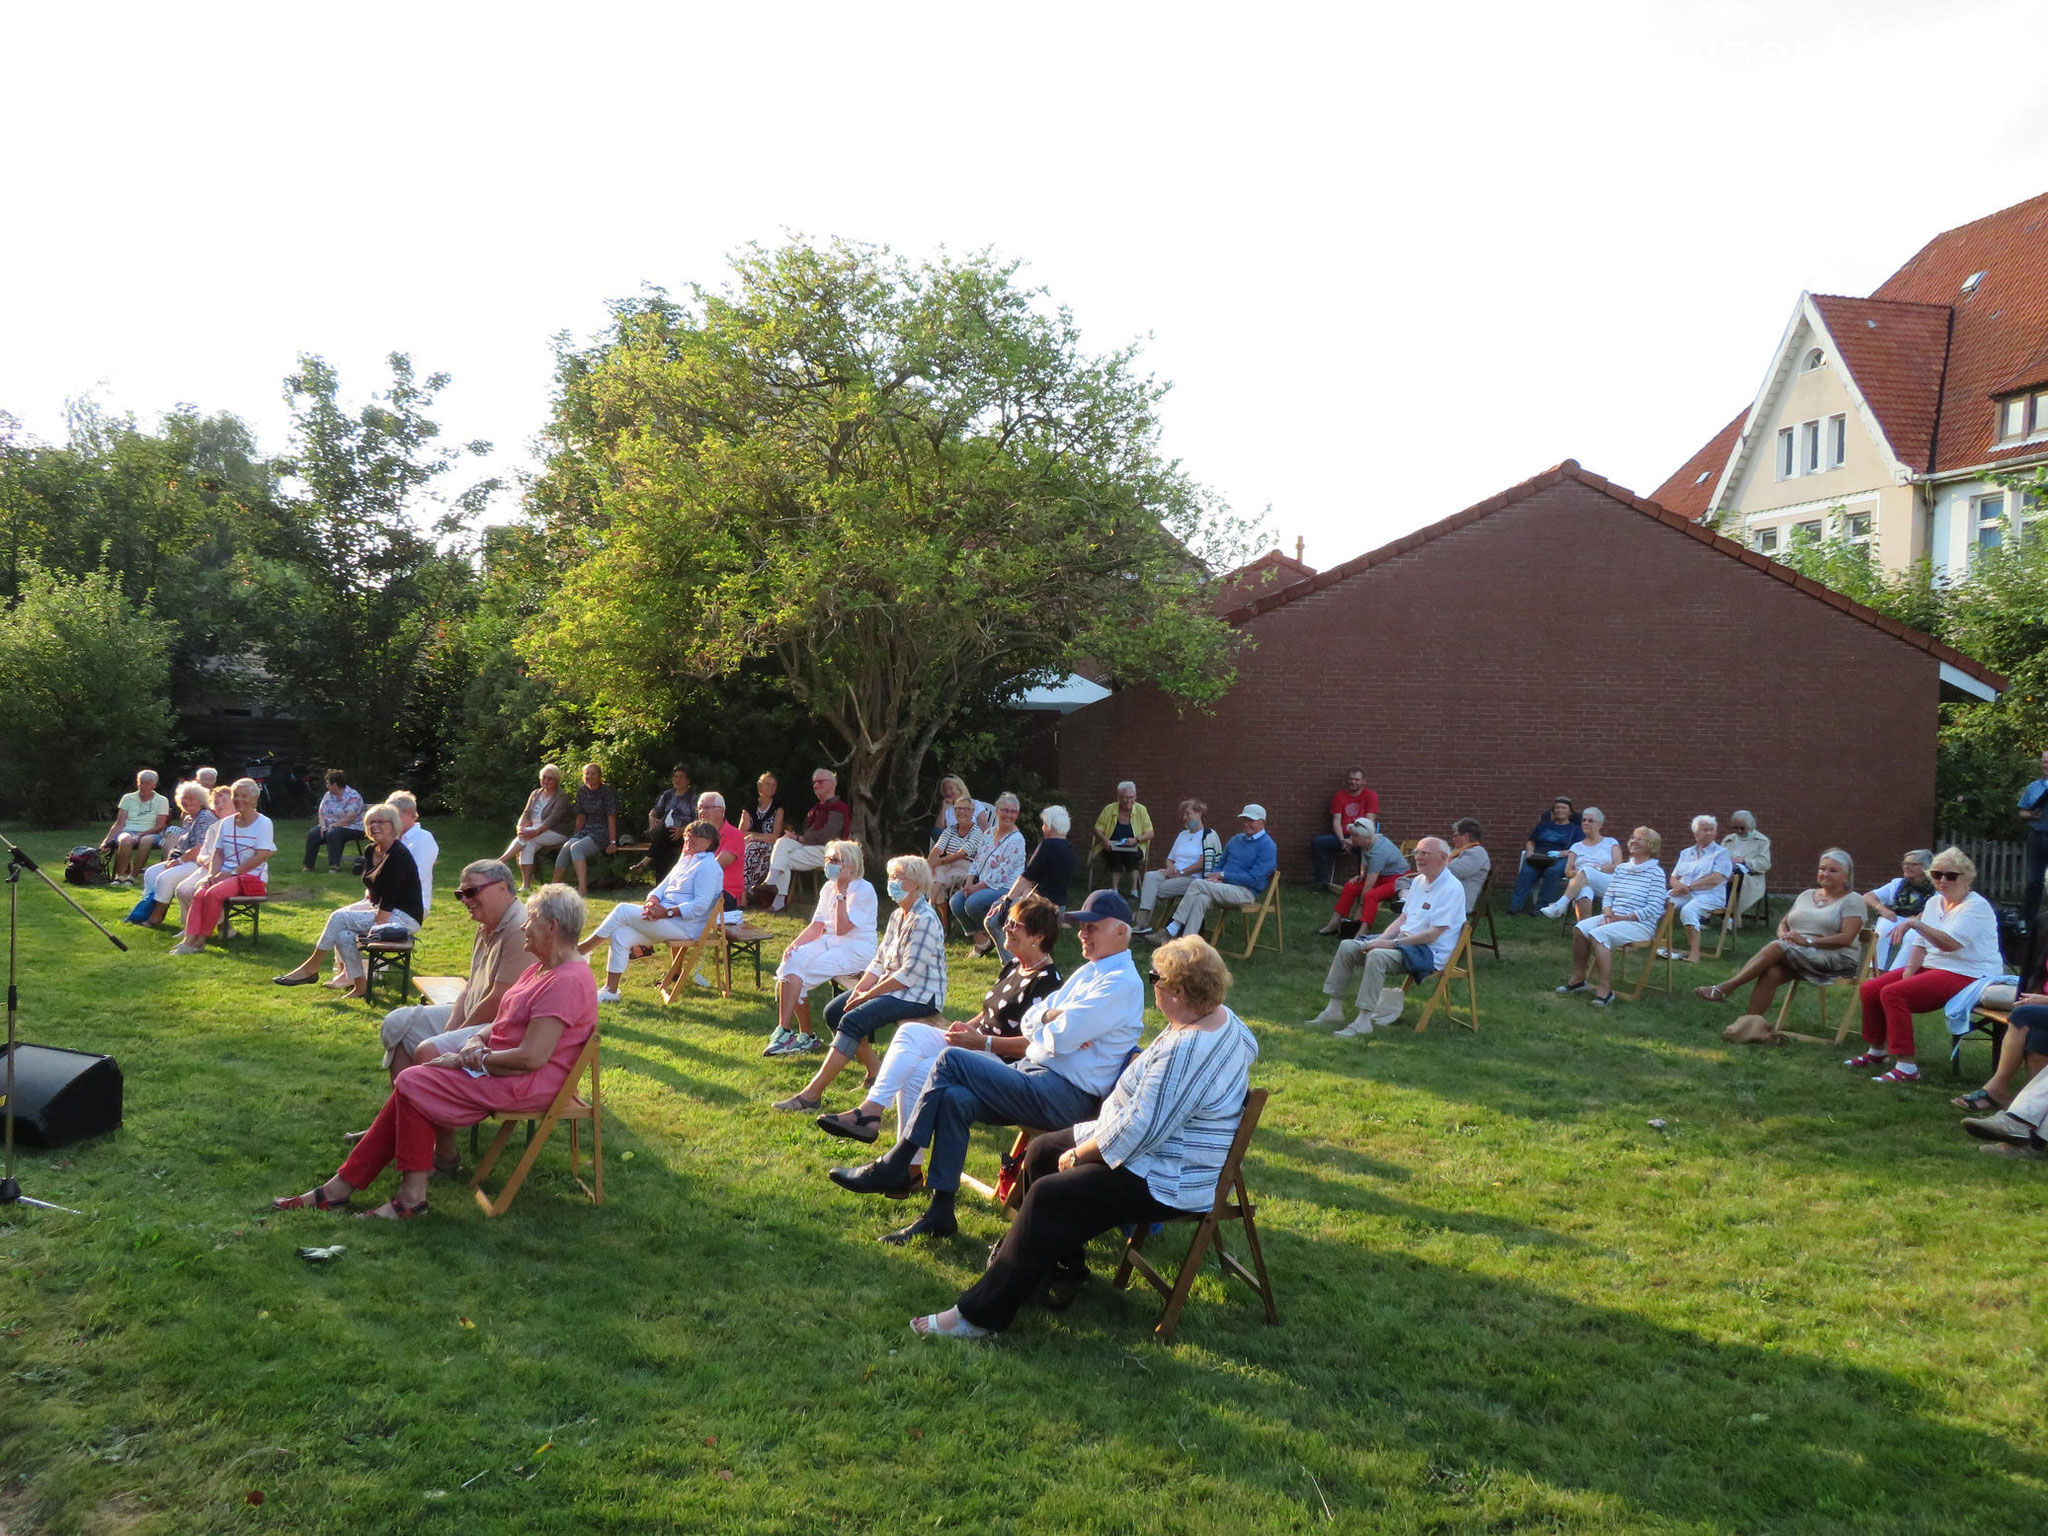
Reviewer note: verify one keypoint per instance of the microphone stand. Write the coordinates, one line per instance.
(17, 861)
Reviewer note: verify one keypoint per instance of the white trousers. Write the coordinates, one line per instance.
(1881, 961)
(905, 1066)
(1616, 934)
(345, 930)
(819, 961)
(1201, 895)
(160, 882)
(526, 849)
(1159, 883)
(789, 854)
(1376, 1000)
(1693, 911)
(626, 925)
(405, 1030)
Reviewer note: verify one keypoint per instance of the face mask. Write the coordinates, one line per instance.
(1194, 823)
(897, 890)
(832, 871)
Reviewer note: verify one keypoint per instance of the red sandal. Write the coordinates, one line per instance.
(1868, 1059)
(1896, 1076)
(315, 1201)
(397, 1212)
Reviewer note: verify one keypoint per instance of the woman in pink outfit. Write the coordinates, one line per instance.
(236, 864)
(543, 1021)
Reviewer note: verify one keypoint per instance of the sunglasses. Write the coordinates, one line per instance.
(1947, 874)
(1152, 977)
(470, 892)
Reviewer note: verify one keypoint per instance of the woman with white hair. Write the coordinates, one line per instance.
(674, 912)
(1123, 836)
(906, 979)
(1818, 940)
(1751, 851)
(391, 900)
(536, 1039)
(1699, 885)
(1951, 945)
(1050, 872)
(237, 859)
(1898, 899)
(839, 940)
(182, 845)
(546, 822)
(1589, 864)
(136, 827)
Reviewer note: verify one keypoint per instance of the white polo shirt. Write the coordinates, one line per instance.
(1438, 903)
(420, 843)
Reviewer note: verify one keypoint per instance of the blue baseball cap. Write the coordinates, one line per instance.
(1099, 907)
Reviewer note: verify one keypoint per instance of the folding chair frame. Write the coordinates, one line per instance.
(1233, 1203)
(1459, 969)
(1661, 939)
(1867, 942)
(1485, 909)
(568, 1105)
(1254, 919)
(685, 956)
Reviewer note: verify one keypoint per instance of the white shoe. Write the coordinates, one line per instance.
(1334, 1014)
(1555, 909)
(1358, 1026)
(606, 995)
(703, 981)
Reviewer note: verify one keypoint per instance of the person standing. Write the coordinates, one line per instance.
(2033, 812)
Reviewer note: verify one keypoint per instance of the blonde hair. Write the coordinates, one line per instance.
(1652, 839)
(385, 811)
(1955, 861)
(846, 853)
(913, 871)
(1191, 966)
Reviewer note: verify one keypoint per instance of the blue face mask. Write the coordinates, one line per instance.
(897, 890)
(1194, 823)
(832, 870)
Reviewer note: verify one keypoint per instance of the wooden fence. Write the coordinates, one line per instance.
(2001, 867)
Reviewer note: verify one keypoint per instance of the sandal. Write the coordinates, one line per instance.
(1978, 1102)
(391, 1210)
(797, 1104)
(1868, 1059)
(1896, 1076)
(1712, 994)
(853, 1125)
(312, 1200)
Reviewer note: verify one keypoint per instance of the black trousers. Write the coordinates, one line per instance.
(2030, 907)
(1061, 1211)
(336, 840)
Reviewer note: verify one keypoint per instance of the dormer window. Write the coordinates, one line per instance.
(1814, 360)
(2022, 415)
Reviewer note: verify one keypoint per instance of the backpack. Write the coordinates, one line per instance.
(84, 865)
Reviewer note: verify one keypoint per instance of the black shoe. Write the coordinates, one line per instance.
(880, 1177)
(926, 1225)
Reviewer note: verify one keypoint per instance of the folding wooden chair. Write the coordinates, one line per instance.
(1661, 939)
(690, 955)
(1459, 969)
(1233, 1203)
(1483, 909)
(1866, 967)
(568, 1105)
(1254, 919)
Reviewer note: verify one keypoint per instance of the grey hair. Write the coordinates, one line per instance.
(191, 787)
(1704, 820)
(711, 795)
(1006, 798)
(1593, 813)
(1056, 818)
(846, 853)
(236, 788)
(1369, 823)
(913, 871)
(384, 811)
(1124, 784)
(558, 904)
(1921, 856)
(548, 768)
(1744, 819)
(149, 774)
(490, 871)
(1841, 857)
(403, 800)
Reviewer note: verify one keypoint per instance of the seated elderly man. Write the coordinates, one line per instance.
(1238, 880)
(1634, 907)
(674, 911)
(136, 828)
(1077, 1041)
(1381, 864)
(2026, 1042)
(1751, 852)
(1700, 878)
(1419, 942)
(827, 822)
(497, 958)
(337, 820)
(424, 847)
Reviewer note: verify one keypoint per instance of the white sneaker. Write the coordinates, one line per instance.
(1555, 909)
(1358, 1026)
(606, 995)
(779, 1041)
(1333, 1014)
(703, 981)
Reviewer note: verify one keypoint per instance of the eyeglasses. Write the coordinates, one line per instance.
(1152, 977)
(468, 892)
(1947, 874)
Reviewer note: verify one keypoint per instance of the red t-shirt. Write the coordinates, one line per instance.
(730, 841)
(1349, 806)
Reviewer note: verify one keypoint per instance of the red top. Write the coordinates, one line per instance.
(1344, 803)
(827, 821)
(730, 841)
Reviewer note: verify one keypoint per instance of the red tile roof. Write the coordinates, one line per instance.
(1268, 574)
(1692, 487)
(1570, 469)
(1895, 353)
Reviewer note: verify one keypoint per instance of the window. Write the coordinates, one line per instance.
(1856, 527)
(1766, 540)
(1806, 533)
(1785, 460)
(1987, 521)
(2012, 419)
(1838, 441)
(1809, 443)
(1814, 359)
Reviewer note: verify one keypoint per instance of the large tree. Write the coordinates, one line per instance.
(905, 482)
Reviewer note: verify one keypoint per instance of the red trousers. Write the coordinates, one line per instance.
(1891, 1000)
(400, 1134)
(202, 912)
(1367, 897)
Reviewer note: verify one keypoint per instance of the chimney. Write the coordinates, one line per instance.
(1299, 545)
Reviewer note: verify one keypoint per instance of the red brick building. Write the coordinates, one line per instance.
(1474, 668)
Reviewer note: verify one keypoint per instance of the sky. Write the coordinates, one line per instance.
(1393, 260)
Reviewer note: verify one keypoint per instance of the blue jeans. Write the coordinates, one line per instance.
(851, 1026)
(1552, 878)
(974, 1087)
(972, 909)
(1323, 849)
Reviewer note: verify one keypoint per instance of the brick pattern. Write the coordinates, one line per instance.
(1474, 673)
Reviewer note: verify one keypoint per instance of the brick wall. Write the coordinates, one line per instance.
(1563, 644)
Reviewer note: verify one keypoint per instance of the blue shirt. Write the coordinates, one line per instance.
(2034, 798)
(1555, 836)
(1248, 860)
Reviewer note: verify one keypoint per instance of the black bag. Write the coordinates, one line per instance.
(85, 865)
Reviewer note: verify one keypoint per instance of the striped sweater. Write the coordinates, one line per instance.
(1637, 891)
(1171, 1116)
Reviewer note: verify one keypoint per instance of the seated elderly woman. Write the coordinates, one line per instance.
(1952, 944)
(1588, 865)
(136, 828)
(1751, 852)
(337, 821)
(1032, 930)
(1155, 1149)
(905, 980)
(1898, 899)
(1048, 872)
(839, 940)
(1819, 940)
(182, 845)
(1700, 876)
(543, 1020)
(1381, 864)
(955, 851)
(234, 862)
(1634, 907)
(675, 911)
(391, 899)
(187, 879)
(546, 822)
(1196, 850)
(993, 871)
(1123, 836)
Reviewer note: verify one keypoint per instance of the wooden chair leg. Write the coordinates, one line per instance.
(1191, 1266)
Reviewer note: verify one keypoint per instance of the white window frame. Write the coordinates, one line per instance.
(1849, 532)
(1979, 522)
(1765, 541)
(1813, 528)
(1788, 454)
(1809, 447)
(1837, 446)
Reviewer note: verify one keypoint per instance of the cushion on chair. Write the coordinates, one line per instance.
(1998, 995)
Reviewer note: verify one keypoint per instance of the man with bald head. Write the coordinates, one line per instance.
(1418, 942)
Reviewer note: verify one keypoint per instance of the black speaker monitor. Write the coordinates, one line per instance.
(62, 1096)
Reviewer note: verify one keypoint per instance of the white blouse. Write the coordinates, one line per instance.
(1971, 920)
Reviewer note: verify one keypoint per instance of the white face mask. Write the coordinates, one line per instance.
(897, 890)
(832, 870)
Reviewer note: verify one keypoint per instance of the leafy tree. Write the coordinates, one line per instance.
(903, 484)
(82, 676)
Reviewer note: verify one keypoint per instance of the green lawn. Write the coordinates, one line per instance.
(1807, 1304)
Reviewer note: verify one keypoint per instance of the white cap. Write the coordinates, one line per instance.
(1362, 825)
(1252, 813)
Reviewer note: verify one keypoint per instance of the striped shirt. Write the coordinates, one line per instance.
(1637, 891)
(999, 867)
(913, 953)
(975, 844)
(1171, 1116)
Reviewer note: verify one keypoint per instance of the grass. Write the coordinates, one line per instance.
(1509, 1303)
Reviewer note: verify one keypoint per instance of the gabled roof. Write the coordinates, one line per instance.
(1262, 577)
(1691, 490)
(1894, 355)
(1571, 470)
